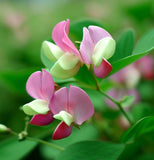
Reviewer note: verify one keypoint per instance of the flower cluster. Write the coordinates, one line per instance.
(96, 47)
(72, 106)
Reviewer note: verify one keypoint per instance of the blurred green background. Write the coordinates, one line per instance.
(25, 24)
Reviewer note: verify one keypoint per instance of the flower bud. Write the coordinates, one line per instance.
(3, 128)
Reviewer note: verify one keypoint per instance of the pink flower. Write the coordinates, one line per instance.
(131, 74)
(128, 76)
(96, 47)
(145, 66)
(65, 55)
(40, 86)
(71, 106)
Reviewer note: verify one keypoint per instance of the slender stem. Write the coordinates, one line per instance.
(113, 100)
(118, 105)
(91, 70)
(26, 123)
(46, 143)
(39, 141)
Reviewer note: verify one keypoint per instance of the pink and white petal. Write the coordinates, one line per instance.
(80, 105)
(97, 33)
(60, 37)
(86, 47)
(42, 119)
(62, 131)
(103, 70)
(40, 85)
(59, 102)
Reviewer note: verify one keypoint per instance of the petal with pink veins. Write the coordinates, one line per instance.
(42, 119)
(97, 33)
(60, 37)
(40, 85)
(80, 105)
(103, 70)
(86, 47)
(62, 131)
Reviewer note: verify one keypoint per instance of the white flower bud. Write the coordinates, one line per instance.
(3, 128)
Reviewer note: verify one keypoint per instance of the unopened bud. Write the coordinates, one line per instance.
(3, 128)
(22, 135)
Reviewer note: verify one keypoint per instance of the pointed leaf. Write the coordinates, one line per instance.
(127, 101)
(124, 46)
(146, 43)
(141, 127)
(144, 46)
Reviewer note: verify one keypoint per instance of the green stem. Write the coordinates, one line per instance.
(118, 105)
(113, 100)
(46, 143)
(39, 141)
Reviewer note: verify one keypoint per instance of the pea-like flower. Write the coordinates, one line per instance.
(72, 106)
(96, 47)
(40, 86)
(65, 55)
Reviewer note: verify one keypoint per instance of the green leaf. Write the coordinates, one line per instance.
(146, 43)
(84, 76)
(127, 101)
(16, 80)
(141, 127)
(92, 150)
(141, 110)
(144, 46)
(13, 149)
(86, 132)
(118, 65)
(124, 46)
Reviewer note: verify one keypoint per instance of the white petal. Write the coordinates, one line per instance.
(64, 116)
(37, 106)
(52, 51)
(58, 72)
(103, 49)
(68, 61)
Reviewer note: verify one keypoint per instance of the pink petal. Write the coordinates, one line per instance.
(103, 69)
(60, 101)
(60, 37)
(62, 131)
(40, 85)
(80, 105)
(86, 47)
(42, 119)
(97, 33)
